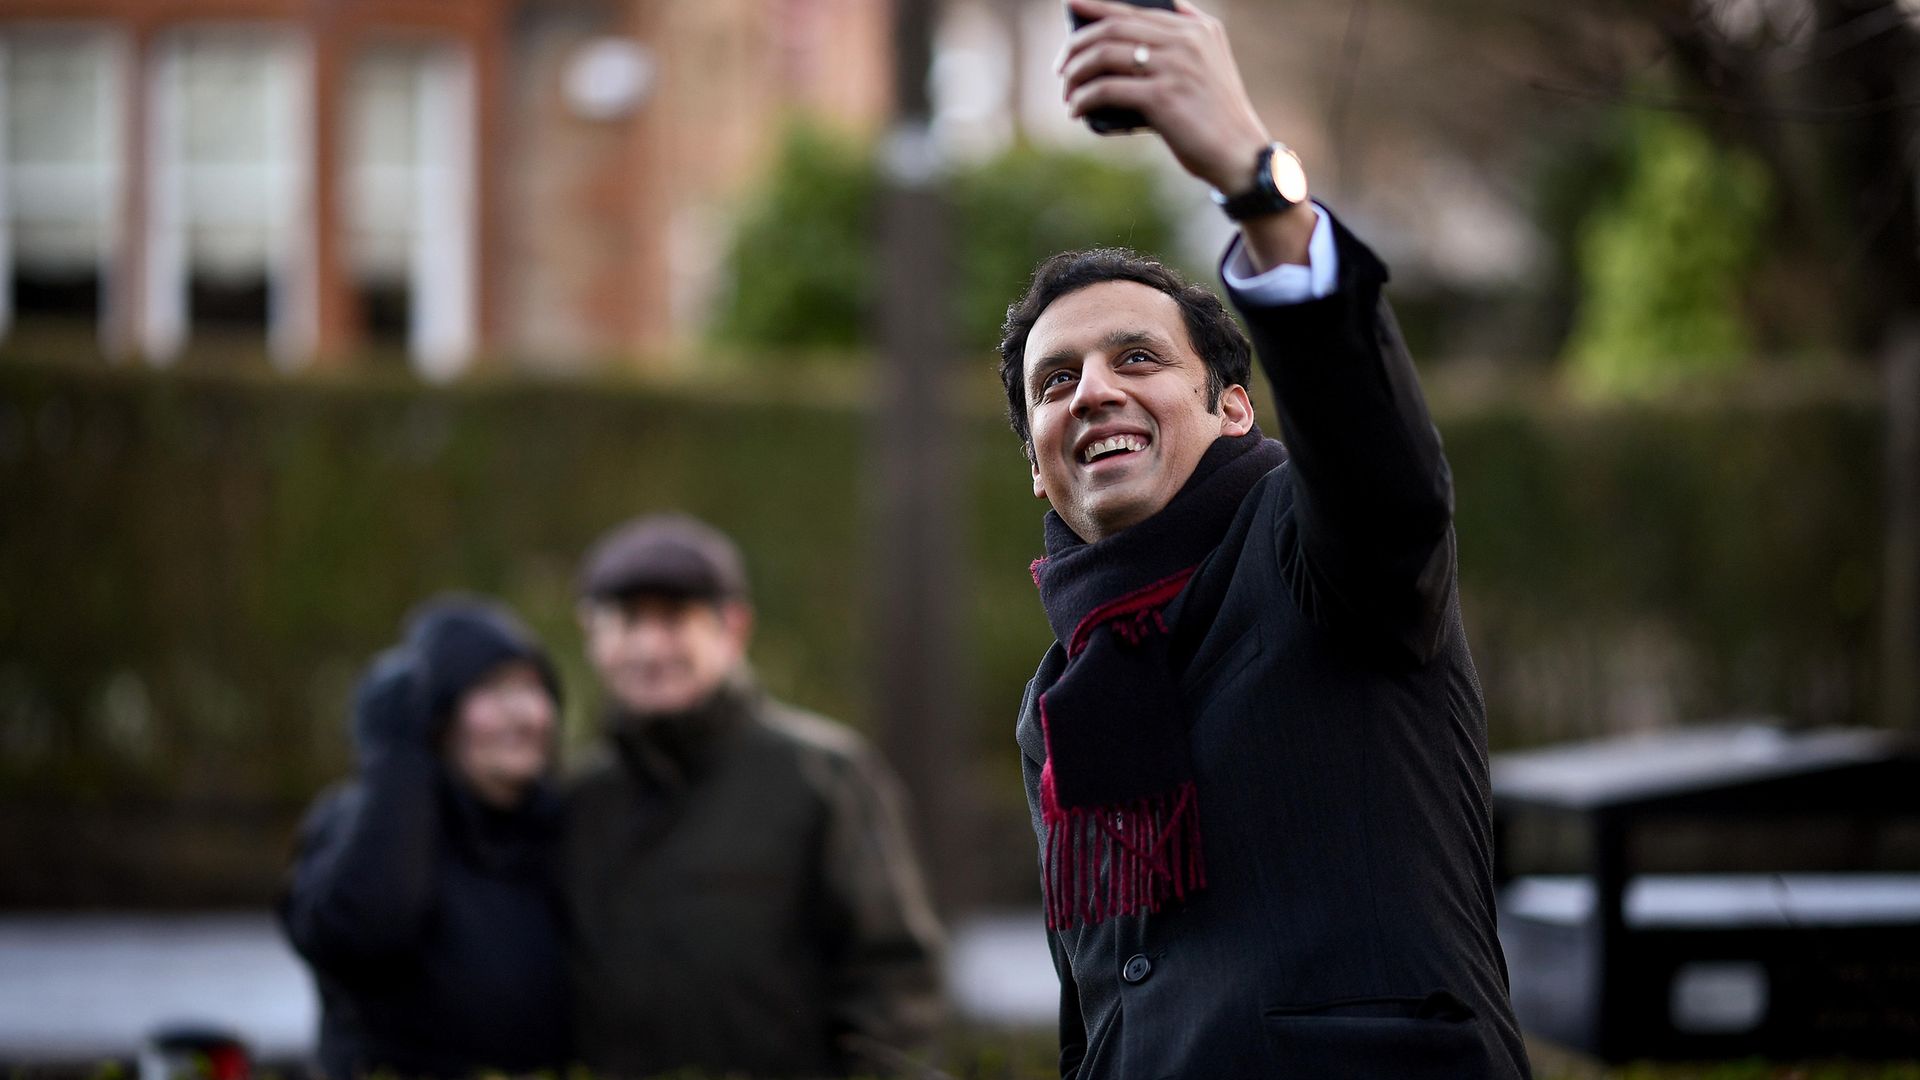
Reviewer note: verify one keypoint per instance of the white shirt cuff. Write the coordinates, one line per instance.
(1288, 283)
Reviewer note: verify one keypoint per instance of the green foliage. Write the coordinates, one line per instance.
(1663, 265)
(801, 263)
(193, 568)
(801, 260)
(1019, 208)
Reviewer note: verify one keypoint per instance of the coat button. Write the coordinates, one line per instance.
(1137, 969)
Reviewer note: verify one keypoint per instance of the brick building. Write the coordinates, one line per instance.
(438, 179)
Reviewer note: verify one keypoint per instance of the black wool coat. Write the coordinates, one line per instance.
(742, 898)
(1338, 738)
(432, 925)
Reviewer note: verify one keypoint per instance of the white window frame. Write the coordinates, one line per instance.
(292, 304)
(116, 46)
(443, 276)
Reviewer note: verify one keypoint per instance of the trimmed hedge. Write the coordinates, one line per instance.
(193, 567)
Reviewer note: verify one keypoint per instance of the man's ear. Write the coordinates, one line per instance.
(737, 617)
(1236, 411)
(1039, 485)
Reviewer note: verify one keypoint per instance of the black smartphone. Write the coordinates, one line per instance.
(1117, 121)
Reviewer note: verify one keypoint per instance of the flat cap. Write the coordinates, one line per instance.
(672, 554)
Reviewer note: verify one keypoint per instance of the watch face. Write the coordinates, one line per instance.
(1288, 177)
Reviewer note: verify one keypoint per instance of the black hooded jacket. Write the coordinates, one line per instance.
(430, 922)
(428, 916)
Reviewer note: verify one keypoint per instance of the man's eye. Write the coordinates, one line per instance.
(1058, 378)
(1137, 355)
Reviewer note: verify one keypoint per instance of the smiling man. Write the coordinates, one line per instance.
(1256, 753)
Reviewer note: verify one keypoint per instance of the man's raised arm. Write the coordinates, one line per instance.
(1177, 69)
(1372, 491)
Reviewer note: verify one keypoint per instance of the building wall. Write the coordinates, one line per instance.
(561, 203)
(576, 287)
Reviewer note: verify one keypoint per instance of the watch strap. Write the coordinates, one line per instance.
(1264, 196)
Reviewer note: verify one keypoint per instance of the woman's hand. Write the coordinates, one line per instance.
(390, 705)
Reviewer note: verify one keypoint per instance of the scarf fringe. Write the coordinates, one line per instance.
(1106, 861)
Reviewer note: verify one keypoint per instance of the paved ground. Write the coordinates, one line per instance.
(88, 987)
(999, 972)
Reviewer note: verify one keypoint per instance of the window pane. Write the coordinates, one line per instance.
(60, 162)
(383, 152)
(234, 113)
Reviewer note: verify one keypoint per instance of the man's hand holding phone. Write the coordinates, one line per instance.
(1176, 69)
(1112, 121)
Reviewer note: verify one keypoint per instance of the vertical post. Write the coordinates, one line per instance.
(119, 75)
(1611, 874)
(125, 285)
(336, 318)
(649, 165)
(1012, 15)
(1900, 638)
(487, 159)
(6, 215)
(1900, 657)
(443, 281)
(293, 280)
(919, 557)
(163, 291)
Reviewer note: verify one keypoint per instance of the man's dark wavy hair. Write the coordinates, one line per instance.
(1215, 335)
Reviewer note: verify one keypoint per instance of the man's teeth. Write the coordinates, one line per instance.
(1107, 446)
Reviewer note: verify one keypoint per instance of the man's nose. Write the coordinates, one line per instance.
(649, 638)
(1097, 389)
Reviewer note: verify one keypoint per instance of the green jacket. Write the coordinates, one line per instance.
(741, 897)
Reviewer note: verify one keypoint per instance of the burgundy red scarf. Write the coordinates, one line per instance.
(1117, 792)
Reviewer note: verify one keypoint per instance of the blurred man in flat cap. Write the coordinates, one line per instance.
(740, 890)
